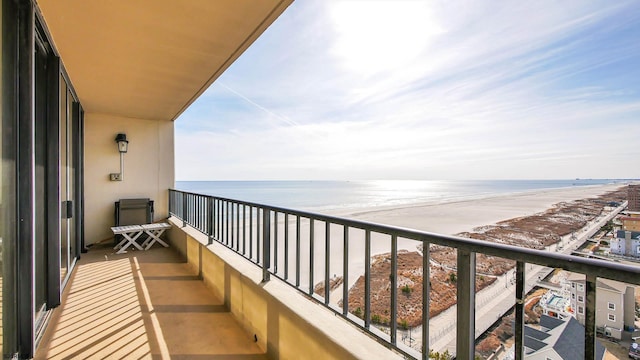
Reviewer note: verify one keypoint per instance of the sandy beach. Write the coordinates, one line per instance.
(444, 218)
(456, 217)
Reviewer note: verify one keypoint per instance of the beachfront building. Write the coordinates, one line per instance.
(615, 305)
(626, 243)
(557, 339)
(556, 304)
(633, 197)
(630, 223)
(91, 89)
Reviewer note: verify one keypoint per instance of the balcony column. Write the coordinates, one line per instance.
(466, 278)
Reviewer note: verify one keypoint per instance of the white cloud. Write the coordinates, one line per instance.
(381, 35)
(422, 89)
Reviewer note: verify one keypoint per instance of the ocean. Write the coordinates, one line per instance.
(335, 195)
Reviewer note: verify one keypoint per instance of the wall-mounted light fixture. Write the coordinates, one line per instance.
(123, 146)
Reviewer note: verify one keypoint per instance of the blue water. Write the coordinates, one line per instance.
(325, 195)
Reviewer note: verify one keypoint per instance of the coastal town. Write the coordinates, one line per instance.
(605, 227)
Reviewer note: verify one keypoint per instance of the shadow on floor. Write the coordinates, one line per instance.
(142, 304)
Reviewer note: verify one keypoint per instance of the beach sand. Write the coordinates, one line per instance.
(456, 217)
(443, 218)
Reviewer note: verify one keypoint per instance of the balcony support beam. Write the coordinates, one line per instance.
(466, 308)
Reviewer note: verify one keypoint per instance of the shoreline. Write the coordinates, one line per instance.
(449, 218)
(452, 217)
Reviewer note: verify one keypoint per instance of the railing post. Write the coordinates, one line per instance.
(345, 271)
(312, 237)
(228, 224)
(286, 246)
(171, 209)
(426, 288)
(394, 289)
(275, 242)
(244, 228)
(266, 244)
(590, 317)
(367, 279)
(251, 232)
(519, 310)
(327, 261)
(211, 218)
(297, 250)
(466, 324)
(184, 210)
(237, 248)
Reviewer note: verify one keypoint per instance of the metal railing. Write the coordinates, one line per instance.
(289, 245)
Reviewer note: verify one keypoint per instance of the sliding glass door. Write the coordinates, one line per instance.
(40, 219)
(68, 141)
(40, 180)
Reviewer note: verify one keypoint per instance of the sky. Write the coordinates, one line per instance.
(424, 90)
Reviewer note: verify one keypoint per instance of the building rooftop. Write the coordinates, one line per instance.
(565, 337)
(601, 283)
(620, 234)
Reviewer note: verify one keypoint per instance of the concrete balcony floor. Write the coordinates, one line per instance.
(143, 304)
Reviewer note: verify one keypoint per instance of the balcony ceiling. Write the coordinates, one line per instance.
(151, 59)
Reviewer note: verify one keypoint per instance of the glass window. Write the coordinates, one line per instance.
(611, 306)
(8, 319)
(580, 310)
(6, 195)
(573, 296)
(580, 298)
(580, 287)
(64, 224)
(611, 317)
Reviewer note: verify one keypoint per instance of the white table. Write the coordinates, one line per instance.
(154, 231)
(131, 233)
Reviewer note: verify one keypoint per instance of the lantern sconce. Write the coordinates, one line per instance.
(123, 146)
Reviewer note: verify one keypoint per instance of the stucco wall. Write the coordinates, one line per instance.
(631, 225)
(603, 297)
(148, 168)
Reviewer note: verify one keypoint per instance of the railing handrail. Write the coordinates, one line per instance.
(606, 269)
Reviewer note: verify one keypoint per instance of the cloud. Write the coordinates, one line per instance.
(417, 89)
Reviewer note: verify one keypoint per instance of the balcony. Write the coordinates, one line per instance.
(240, 281)
(140, 305)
